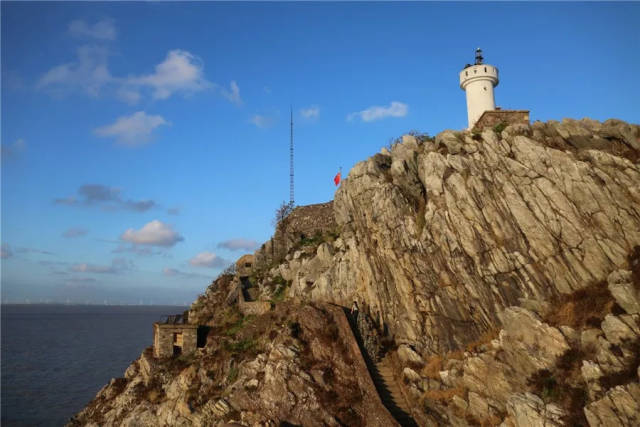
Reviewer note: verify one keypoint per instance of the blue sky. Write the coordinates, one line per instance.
(145, 145)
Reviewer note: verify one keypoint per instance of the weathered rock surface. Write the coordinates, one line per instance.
(498, 273)
(439, 237)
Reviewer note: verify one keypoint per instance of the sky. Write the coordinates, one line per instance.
(145, 146)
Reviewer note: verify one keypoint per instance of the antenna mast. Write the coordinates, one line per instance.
(291, 199)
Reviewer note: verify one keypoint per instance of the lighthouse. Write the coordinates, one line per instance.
(478, 81)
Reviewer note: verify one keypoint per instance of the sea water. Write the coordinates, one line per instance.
(55, 358)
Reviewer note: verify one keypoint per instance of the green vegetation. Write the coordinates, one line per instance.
(233, 374)
(500, 127)
(280, 293)
(241, 346)
(239, 324)
(312, 241)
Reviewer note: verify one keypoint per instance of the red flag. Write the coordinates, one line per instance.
(336, 180)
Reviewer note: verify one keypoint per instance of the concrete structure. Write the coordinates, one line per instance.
(478, 81)
(255, 308)
(489, 119)
(244, 265)
(174, 336)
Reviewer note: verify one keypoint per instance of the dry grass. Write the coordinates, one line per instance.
(489, 421)
(626, 375)
(485, 338)
(563, 385)
(444, 396)
(458, 355)
(584, 307)
(433, 367)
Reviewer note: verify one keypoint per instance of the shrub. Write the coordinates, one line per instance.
(433, 367)
(499, 127)
(241, 346)
(233, 375)
(585, 307)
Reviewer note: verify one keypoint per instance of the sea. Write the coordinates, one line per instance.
(55, 358)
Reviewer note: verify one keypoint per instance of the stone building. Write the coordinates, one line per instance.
(174, 336)
(244, 265)
(478, 81)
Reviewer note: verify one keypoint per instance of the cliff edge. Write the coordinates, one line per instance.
(498, 279)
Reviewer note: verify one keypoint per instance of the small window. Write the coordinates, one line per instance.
(475, 71)
(466, 73)
(485, 88)
(485, 69)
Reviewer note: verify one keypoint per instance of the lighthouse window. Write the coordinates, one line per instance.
(466, 73)
(475, 71)
(485, 69)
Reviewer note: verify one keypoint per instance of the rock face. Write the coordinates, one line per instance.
(438, 237)
(500, 277)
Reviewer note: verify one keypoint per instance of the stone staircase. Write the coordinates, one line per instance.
(385, 381)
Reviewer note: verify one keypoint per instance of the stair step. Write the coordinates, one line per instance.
(382, 374)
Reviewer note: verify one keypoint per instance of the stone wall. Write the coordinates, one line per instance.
(304, 222)
(489, 119)
(244, 265)
(163, 338)
(252, 307)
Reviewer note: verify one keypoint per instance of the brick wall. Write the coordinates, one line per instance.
(304, 222)
(489, 119)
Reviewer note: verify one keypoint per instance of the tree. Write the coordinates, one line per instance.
(282, 212)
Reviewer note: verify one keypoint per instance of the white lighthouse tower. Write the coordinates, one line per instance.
(478, 81)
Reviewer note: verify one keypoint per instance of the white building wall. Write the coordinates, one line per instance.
(478, 82)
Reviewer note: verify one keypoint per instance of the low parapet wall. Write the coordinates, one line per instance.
(376, 414)
(303, 222)
(491, 118)
(252, 307)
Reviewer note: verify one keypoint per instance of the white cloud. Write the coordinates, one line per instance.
(10, 150)
(181, 71)
(239, 244)
(89, 72)
(232, 94)
(155, 233)
(129, 95)
(395, 109)
(262, 121)
(117, 265)
(172, 272)
(207, 259)
(132, 130)
(311, 112)
(5, 251)
(74, 232)
(102, 30)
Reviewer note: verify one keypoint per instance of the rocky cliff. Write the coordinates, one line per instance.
(498, 270)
